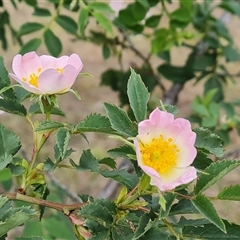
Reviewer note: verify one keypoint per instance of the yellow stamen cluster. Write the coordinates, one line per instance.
(33, 78)
(160, 154)
(60, 70)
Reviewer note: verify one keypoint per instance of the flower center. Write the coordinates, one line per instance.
(160, 154)
(60, 70)
(33, 78)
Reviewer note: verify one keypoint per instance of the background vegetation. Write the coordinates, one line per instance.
(186, 52)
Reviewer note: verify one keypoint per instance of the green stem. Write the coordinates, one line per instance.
(184, 196)
(65, 208)
(169, 226)
(34, 157)
(65, 166)
(164, 7)
(36, 149)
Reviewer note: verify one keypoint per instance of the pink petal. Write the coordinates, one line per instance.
(25, 65)
(185, 139)
(162, 123)
(25, 85)
(177, 177)
(51, 81)
(75, 61)
(158, 123)
(52, 62)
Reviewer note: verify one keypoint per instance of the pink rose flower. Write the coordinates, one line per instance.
(46, 74)
(165, 149)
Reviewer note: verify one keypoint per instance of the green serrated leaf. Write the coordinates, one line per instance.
(144, 225)
(16, 170)
(213, 173)
(122, 230)
(21, 93)
(120, 120)
(100, 6)
(209, 141)
(35, 109)
(83, 19)
(87, 162)
(41, 12)
(169, 198)
(122, 151)
(230, 193)
(153, 21)
(201, 161)
(230, 6)
(3, 201)
(99, 211)
(62, 139)
(183, 222)
(12, 106)
(104, 22)
(9, 145)
(49, 125)
(175, 74)
(4, 72)
(48, 165)
(106, 51)
(67, 23)
(95, 123)
(127, 179)
(31, 45)
(109, 162)
(211, 232)
(30, 27)
(156, 233)
(52, 42)
(14, 217)
(8, 94)
(184, 206)
(138, 96)
(205, 207)
(170, 109)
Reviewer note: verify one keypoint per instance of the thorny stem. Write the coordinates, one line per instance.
(65, 208)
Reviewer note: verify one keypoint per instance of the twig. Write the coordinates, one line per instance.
(65, 208)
